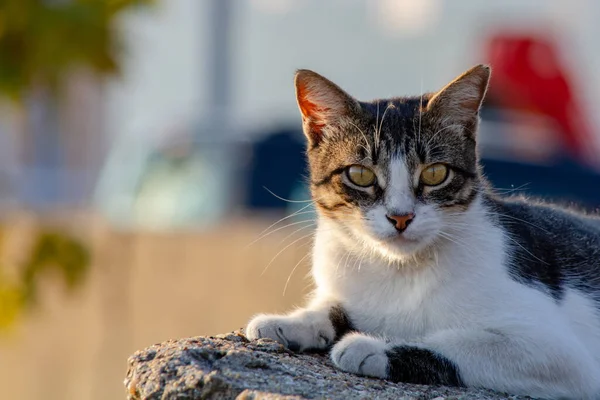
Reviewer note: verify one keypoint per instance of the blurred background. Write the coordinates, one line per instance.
(151, 159)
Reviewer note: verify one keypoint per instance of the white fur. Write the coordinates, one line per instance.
(308, 328)
(361, 354)
(444, 287)
(398, 198)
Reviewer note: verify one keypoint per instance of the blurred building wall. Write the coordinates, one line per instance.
(53, 147)
(369, 49)
(372, 48)
(164, 70)
(143, 288)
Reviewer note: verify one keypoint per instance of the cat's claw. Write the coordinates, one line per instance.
(267, 327)
(361, 354)
(292, 332)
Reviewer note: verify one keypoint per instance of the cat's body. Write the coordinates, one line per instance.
(424, 275)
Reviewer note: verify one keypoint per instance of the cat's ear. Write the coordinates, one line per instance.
(461, 99)
(322, 104)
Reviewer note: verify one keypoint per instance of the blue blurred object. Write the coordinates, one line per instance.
(564, 181)
(197, 183)
(278, 164)
(191, 180)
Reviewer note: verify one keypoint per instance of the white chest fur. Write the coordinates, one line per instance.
(461, 287)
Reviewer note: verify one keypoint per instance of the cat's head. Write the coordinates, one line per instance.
(394, 174)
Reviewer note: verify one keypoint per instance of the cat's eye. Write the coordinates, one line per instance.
(361, 176)
(434, 175)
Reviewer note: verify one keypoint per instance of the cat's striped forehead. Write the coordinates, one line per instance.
(436, 130)
(387, 135)
(399, 126)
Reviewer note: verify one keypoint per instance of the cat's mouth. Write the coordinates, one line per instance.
(402, 245)
(398, 246)
(400, 239)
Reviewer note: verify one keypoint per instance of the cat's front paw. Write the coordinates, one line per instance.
(293, 332)
(361, 354)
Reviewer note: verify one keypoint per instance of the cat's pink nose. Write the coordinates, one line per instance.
(401, 222)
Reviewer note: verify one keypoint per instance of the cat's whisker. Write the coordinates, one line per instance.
(287, 200)
(389, 105)
(358, 257)
(284, 249)
(505, 216)
(451, 235)
(369, 149)
(299, 230)
(368, 156)
(314, 223)
(420, 110)
(513, 189)
(377, 137)
(337, 266)
(295, 213)
(509, 237)
(269, 233)
(462, 244)
(346, 262)
(366, 252)
(502, 191)
(287, 282)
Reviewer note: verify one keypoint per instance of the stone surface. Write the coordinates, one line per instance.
(231, 367)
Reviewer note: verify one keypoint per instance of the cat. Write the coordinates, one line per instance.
(423, 274)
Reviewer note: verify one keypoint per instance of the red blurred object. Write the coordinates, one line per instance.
(528, 76)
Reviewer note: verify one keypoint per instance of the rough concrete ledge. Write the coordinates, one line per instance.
(231, 367)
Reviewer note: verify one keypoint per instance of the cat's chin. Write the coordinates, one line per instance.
(390, 246)
(398, 247)
(402, 248)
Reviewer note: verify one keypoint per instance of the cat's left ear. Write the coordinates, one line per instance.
(461, 99)
(322, 104)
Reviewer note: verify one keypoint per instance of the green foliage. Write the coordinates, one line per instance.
(11, 303)
(51, 251)
(41, 40)
(54, 250)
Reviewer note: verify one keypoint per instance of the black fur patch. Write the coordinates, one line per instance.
(421, 366)
(551, 248)
(340, 321)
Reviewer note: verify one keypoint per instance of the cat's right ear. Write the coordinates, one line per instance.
(322, 104)
(461, 99)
